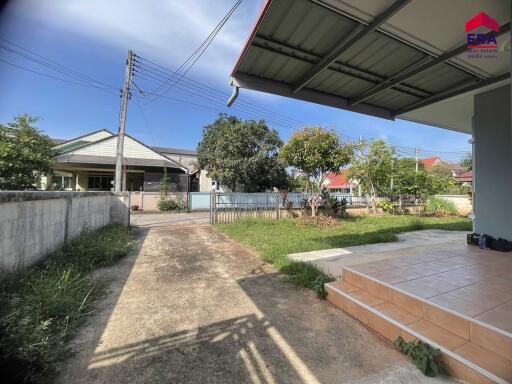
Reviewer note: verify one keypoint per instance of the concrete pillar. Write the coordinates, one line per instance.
(123, 185)
(493, 163)
(74, 181)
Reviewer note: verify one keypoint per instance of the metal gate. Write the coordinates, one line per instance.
(199, 201)
(228, 207)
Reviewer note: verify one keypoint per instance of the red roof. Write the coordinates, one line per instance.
(465, 176)
(339, 181)
(430, 161)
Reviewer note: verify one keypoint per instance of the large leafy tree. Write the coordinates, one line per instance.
(315, 152)
(420, 183)
(25, 154)
(373, 168)
(407, 181)
(242, 154)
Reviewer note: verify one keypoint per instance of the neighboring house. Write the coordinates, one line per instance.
(457, 169)
(429, 162)
(87, 163)
(465, 178)
(340, 183)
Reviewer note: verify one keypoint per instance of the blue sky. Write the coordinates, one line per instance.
(93, 36)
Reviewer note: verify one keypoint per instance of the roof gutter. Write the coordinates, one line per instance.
(234, 95)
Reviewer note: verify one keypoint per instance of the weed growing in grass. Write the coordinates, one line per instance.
(422, 355)
(318, 285)
(40, 311)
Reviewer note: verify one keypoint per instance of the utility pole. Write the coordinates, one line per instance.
(416, 153)
(392, 173)
(122, 122)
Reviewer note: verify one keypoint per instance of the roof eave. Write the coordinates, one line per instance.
(256, 83)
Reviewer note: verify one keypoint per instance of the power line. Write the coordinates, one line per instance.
(198, 52)
(48, 63)
(219, 104)
(212, 97)
(54, 77)
(144, 67)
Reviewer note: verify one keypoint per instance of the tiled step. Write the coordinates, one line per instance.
(500, 342)
(392, 313)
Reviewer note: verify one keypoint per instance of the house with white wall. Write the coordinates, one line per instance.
(87, 163)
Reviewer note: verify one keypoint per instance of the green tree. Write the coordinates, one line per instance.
(442, 179)
(373, 168)
(467, 161)
(315, 152)
(25, 154)
(409, 182)
(242, 154)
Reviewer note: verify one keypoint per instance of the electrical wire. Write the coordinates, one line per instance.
(50, 64)
(54, 77)
(145, 67)
(197, 53)
(211, 97)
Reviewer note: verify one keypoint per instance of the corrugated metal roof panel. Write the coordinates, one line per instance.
(338, 84)
(380, 54)
(439, 78)
(296, 37)
(392, 99)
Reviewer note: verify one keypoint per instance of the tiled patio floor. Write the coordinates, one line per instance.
(470, 281)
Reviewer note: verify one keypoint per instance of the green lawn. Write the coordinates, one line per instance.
(273, 240)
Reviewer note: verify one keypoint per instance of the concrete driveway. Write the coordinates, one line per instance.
(190, 306)
(157, 219)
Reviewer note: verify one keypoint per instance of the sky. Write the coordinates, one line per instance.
(93, 37)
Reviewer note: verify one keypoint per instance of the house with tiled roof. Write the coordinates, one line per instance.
(340, 182)
(429, 162)
(87, 163)
(465, 178)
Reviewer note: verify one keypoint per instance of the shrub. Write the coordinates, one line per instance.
(422, 355)
(40, 311)
(170, 205)
(388, 206)
(318, 285)
(335, 207)
(440, 207)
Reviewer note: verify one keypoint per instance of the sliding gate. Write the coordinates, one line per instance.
(228, 207)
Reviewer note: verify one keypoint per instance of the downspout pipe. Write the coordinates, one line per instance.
(234, 96)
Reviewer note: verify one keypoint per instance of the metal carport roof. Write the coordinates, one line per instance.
(383, 58)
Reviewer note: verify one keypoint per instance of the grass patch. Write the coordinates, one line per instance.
(274, 240)
(440, 207)
(41, 310)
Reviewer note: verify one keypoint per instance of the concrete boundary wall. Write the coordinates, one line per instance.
(148, 201)
(33, 224)
(462, 203)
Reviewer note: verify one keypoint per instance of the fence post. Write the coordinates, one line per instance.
(211, 207)
(277, 207)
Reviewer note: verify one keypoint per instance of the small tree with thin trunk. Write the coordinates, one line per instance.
(315, 152)
(373, 168)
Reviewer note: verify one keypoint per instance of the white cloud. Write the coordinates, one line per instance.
(165, 31)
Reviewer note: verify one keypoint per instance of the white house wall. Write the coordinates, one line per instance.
(131, 149)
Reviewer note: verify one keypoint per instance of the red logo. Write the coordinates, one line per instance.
(482, 20)
(480, 40)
